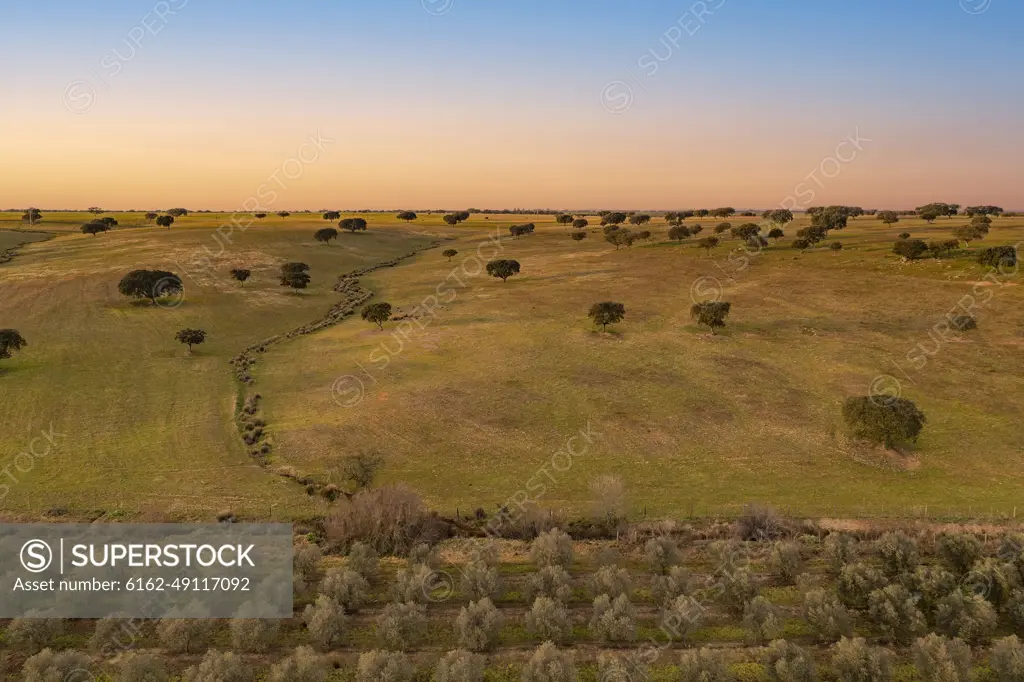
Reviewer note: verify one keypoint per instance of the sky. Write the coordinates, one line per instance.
(572, 104)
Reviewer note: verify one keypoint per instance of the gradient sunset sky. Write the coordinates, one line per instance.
(627, 104)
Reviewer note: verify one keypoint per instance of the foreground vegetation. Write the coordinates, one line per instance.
(760, 599)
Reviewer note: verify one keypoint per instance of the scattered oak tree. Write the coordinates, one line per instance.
(325, 235)
(711, 314)
(353, 225)
(94, 227)
(606, 313)
(883, 421)
(503, 268)
(295, 275)
(377, 313)
(165, 221)
(191, 337)
(241, 274)
(151, 284)
(10, 341)
(449, 254)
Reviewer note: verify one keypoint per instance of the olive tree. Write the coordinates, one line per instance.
(460, 666)
(478, 625)
(939, 659)
(549, 619)
(553, 548)
(384, 666)
(548, 664)
(827, 616)
(613, 620)
(853, 660)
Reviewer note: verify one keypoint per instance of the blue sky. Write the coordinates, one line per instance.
(762, 81)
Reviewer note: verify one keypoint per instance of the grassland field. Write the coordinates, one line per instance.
(477, 398)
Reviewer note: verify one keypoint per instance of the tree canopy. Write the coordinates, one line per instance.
(884, 421)
(165, 221)
(888, 217)
(10, 341)
(503, 268)
(241, 274)
(911, 249)
(580, 223)
(377, 313)
(711, 314)
(353, 224)
(407, 216)
(606, 313)
(678, 232)
(295, 275)
(332, 215)
(94, 227)
(191, 337)
(449, 254)
(177, 212)
(708, 243)
(613, 218)
(325, 235)
(151, 284)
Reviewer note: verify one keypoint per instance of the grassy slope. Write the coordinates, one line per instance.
(472, 406)
(144, 427)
